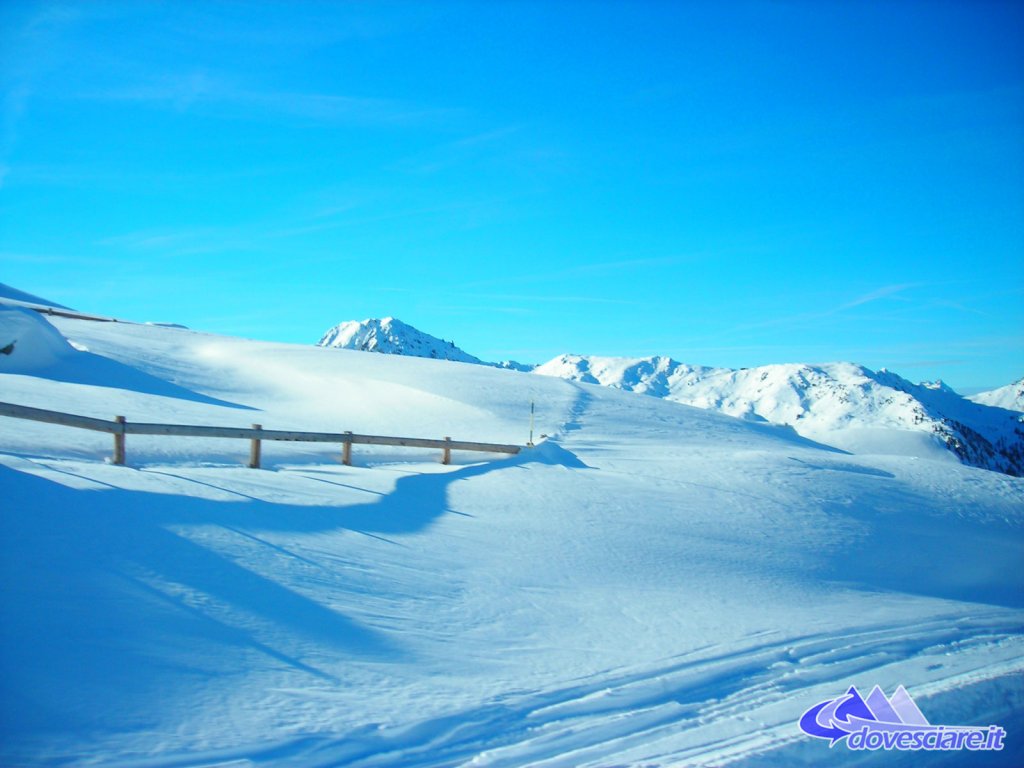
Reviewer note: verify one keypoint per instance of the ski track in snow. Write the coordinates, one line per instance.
(594, 721)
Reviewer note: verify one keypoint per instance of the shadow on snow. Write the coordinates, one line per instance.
(99, 371)
(100, 593)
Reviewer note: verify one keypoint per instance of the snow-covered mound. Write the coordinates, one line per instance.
(840, 404)
(393, 337)
(1010, 397)
(654, 585)
(28, 343)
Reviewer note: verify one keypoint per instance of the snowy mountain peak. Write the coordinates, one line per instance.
(1010, 397)
(646, 375)
(393, 337)
(939, 386)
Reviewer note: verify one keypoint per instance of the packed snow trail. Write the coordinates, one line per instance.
(654, 585)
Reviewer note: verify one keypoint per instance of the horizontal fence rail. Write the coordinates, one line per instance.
(59, 312)
(119, 427)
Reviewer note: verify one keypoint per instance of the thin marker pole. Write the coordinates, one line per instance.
(530, 443)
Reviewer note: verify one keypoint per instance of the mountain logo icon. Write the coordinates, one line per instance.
(896, 722)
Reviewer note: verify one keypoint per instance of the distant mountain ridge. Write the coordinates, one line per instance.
(1010, 397)
(841, 404)
(391, 336)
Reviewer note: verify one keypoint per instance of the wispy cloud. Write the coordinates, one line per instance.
(945, 363)
(806, 318)
(199, 89)
(470, 309)
(304, 26)
(885, 292)
(347, 215)
(557, 299)
(27, 52)
(594, 269)
(15, 102)
(18, 257)
(13, 106)
(451, 154)
(156, 239)
(197, 240)
(960, 306)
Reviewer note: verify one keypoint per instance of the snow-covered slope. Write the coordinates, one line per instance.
(654, 585)
(12, 296)
(1010, 397)
(840, 404)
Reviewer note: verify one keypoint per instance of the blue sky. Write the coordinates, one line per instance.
(727, 183)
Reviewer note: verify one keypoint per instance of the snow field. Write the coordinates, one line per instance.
(654, 585)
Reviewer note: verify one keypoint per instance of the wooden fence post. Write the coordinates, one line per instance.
(254, 450)
(119, 441)
(255, 434)
(346, 452)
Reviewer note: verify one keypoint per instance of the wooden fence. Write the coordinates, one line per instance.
(120, 427)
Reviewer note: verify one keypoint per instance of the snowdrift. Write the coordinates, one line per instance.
(28, 343)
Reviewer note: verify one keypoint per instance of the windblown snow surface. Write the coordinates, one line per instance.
(652, 585)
